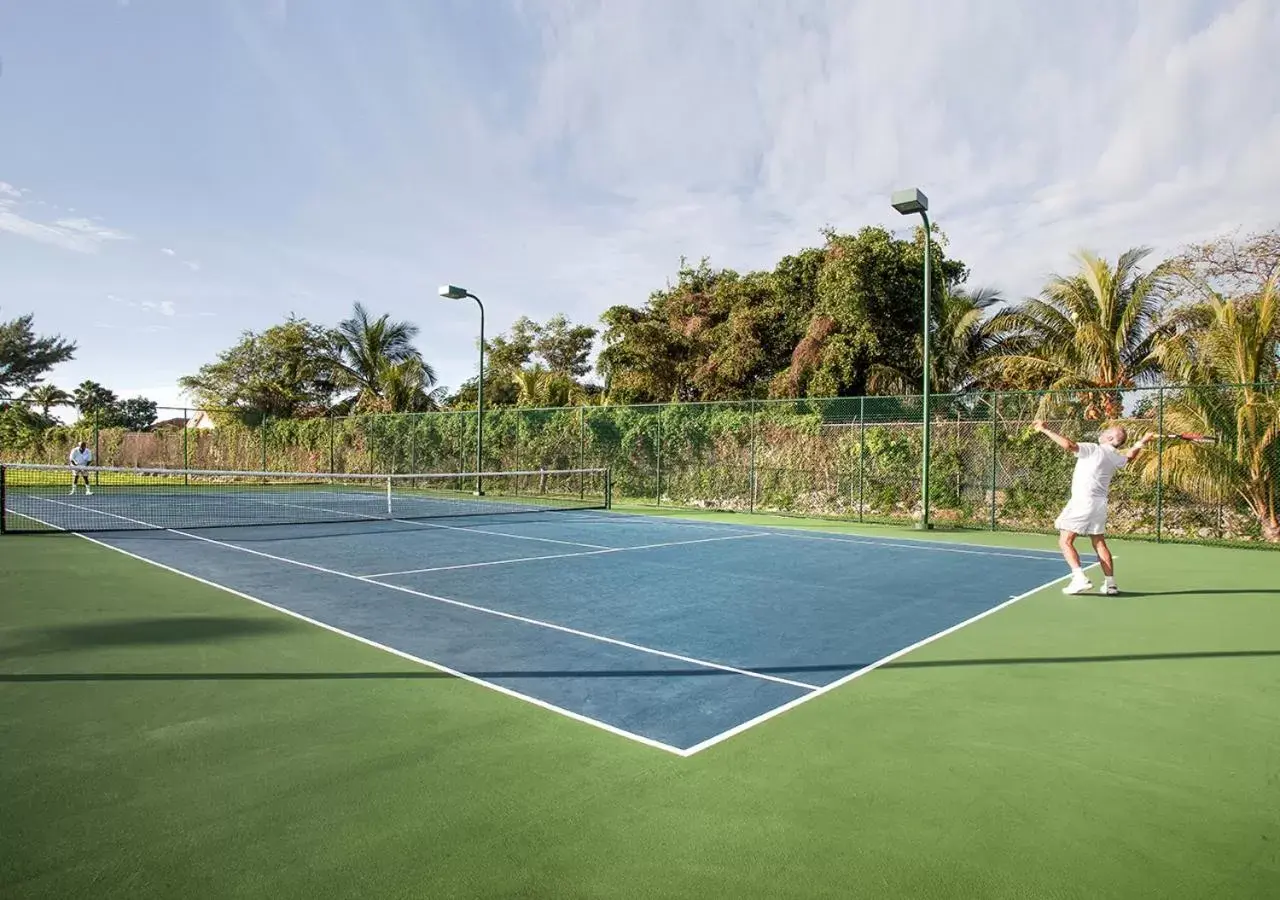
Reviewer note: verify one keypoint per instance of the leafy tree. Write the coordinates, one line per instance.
(363, 347)
(93, 400)
(557, 347)
(966, 341)
(538, 386)
(404, 387)
(25, 356)
(1093, 330)
(868, 314)
(1227, 347)
(47, 396)
(285, 371)
(136, 414)
(565, 348)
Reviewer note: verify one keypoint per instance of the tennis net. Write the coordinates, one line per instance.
(41, 498)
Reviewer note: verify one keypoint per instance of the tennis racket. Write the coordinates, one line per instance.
(1194, 437)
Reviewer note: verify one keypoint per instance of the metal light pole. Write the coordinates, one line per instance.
(453, 292)
(909, 201)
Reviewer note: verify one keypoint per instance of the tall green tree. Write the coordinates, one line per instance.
(1226, 348)
(47, 396)
(134, 414)
(364, 346)
(557, 346)
(967, 342)
(285, 371)
(1092, 331)
(93, 401)
(25, 356)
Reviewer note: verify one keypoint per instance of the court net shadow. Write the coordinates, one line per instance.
(836, 669)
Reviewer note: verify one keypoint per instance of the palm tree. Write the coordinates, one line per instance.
(538, 386)
(965, 341)
(363, 346)
(1228, 352)
(1092, 331)
(405, 387)
(47, 396)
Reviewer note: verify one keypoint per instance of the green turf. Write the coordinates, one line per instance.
(165, 739)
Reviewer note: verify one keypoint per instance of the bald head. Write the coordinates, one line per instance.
(1113, 437)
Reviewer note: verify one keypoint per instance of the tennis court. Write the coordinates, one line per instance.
(331, 686)
(677, 634)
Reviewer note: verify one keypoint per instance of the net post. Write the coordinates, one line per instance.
(97, 444)
(995, 445)
(186, 456)
(4, 506)
(388, 496)
(1160, 466)
(608, 488)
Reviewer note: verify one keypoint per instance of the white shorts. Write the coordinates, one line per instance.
(1089, 517)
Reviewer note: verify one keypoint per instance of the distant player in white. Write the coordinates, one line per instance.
(80, 457)
(1086, 511)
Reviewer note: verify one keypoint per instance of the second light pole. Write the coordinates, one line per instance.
(453, 292)
(913, 200)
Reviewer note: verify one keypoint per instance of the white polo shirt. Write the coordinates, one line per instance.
(81, 457)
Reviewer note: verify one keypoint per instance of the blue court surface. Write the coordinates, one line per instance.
(672, 632)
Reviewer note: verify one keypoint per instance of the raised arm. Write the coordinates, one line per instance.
(1064, 442)
(1140, 445)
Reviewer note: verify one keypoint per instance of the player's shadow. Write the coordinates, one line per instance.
(141, 632)
(1202, 592)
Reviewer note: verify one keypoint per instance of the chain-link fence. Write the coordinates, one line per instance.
(857, 459)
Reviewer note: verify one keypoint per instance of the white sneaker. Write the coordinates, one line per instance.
(73, 493)
(1079, 585)
(1110, 590)
(88, 492)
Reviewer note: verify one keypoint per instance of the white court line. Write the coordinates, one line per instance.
(519, 559)
(798, 533)
(839, 682)
(543, 704)
(692, 660)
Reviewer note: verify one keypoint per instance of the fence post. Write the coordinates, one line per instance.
(1160, 467)
(333, 459)
(582, 452)
(862, 454)
(97, 444)
(751, 477)
(995, 449)
(186, 456)
(658, 462)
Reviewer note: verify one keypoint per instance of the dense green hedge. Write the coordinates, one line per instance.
(856, 458)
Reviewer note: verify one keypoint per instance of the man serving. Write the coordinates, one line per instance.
(80, 457)
(1086, 510)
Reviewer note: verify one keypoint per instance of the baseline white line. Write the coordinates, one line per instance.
(692, 660)
(543, 704)
(520, 559)
(840, 682)
(815, 534)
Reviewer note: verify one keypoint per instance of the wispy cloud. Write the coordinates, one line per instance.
(79, 234)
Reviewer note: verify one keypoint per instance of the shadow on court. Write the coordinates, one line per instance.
(53, 677)
(140, 632)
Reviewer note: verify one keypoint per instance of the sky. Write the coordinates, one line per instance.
(175, 173)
